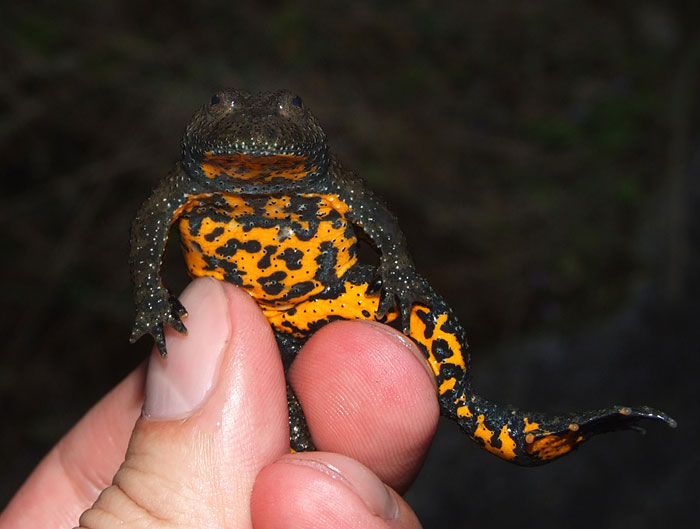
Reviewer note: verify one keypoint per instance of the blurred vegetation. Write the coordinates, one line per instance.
(543, 158)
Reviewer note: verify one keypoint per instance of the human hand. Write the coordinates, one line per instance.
(211, 448)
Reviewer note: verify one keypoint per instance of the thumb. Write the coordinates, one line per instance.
(208, 425)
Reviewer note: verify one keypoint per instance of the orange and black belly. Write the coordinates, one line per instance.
(282, 249)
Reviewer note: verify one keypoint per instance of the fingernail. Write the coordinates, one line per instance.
(408, 344)
(376, 496)
(177, 385)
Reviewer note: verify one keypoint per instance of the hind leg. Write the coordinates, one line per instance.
(299, 436)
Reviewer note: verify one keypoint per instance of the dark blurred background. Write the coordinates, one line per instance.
(543, 157)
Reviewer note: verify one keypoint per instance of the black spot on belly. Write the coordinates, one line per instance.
(251, 246)
(265, 262)
(292, 258)
(300, 289)
(232, 274)
(196, 247)
(428, 319)
(216, 232)
(272, 284)
(198, 215)
(195, 223)
(441, 350)
(326, 261)
(233, 245)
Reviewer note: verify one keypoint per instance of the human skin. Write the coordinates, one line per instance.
(200, 439)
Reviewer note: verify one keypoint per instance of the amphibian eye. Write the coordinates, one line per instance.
(289, 105)
(223, 100)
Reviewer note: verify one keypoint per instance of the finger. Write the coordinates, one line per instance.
(367, 393)
(329, 490)
(215, 413)
(70, 477)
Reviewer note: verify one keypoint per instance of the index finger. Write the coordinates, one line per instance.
(367, 393)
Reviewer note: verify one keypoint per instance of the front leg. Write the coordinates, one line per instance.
(401, 285)
(155, 305)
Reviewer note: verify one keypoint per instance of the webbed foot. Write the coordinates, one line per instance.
(161, 308)
(401, 288)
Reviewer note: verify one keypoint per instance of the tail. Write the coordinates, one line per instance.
(531, 439)
(523, 438)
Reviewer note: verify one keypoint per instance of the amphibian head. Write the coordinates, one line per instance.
(264, 142)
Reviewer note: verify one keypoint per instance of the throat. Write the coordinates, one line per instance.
(259, 168)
